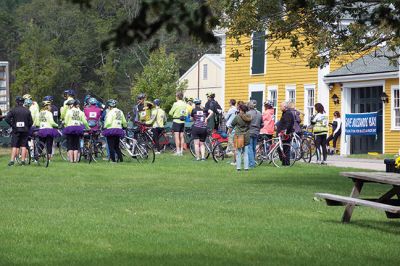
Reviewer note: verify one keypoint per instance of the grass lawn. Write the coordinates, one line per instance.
(181, 212)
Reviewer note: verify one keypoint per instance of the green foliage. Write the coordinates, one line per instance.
(159, 79)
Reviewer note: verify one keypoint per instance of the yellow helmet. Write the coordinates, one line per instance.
(45, 103)
(397, 163)
(27, 96)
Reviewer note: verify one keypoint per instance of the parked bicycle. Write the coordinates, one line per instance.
(132, 149)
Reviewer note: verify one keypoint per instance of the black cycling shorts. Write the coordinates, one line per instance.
(19, 139)
(199, 133)
(178, 127)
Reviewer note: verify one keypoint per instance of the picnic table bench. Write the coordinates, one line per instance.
(385, 202)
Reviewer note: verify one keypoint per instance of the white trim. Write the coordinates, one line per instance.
(208, 56)
(307, 88)
(265, 57)
(274, 88)
(362, 77)
(364, 84)
(392, 114)
(257, 87)
(290, 87)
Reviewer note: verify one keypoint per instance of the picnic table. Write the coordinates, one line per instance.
(385, 202)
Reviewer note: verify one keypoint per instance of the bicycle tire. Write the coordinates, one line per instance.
(144, 153)
(306, 151)
(208, 150)
(277, 153)
(219, 151)
(127, 149)
(63, 151)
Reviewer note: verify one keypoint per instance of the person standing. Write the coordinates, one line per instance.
(45, 123)
(199, 129)
(296, 117)
(114, 124)
(214, 106)
(255, 125)
(178, 113)
(54, 109)
(229, 116)
(336, 132)
(93, 114)
(75, 123)
(285, 126)
(320, 129)
(268, 117)
(241, 124)
(157, 120)
(70, 96)
(20, 120)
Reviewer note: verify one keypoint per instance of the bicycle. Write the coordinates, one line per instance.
(211, 142)
(132, 149)
(303, 147)
(36, 152)
(92, 147)
(272, 150)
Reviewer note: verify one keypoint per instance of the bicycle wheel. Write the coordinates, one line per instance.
(192, 148)
(127, 146)
(279, 158)
(208, 148)
(144, 153)
(219, 151)
(62, 148)
(41, 155)
(306, 153)
(260, 153)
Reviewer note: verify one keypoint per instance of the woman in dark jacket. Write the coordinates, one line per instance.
(241, 123)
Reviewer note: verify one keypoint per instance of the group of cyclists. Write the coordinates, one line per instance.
(243, 123)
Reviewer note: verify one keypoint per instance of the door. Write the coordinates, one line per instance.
(366, 100)
(258, 96)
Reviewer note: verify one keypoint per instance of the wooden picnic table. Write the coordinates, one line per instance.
(385, 202)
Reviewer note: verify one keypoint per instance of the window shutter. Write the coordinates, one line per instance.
(258, 55)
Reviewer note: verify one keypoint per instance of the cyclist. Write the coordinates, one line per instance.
(199, 128)
(178, 112)
(255, 125)
(93, 114)
(229, 116)
(75, 122)
(20, 120)
(241, 123)
(70, 96)
(157, 120)
(33, 106)
(268, 117)
(47, 125)
(139, 107)
(286, 124)
(54, 109)
(114, 124)
(320, 128)
(214, 106)
(189, 103)
(336, 132)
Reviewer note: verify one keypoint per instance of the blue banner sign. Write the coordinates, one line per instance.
(361, 124)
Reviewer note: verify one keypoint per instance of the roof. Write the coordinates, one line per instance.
(215, 58)
(373, 63)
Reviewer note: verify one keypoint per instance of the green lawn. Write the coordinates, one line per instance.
(181, 212)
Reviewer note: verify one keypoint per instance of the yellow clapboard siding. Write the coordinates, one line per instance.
(392, 137)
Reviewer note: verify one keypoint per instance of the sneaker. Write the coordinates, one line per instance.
(157, 152)
(203, 159)
(11, 163)
(323, 163)
(176, 154)
(198, 159)
(23, 163)
(238, 170)
(233, 163)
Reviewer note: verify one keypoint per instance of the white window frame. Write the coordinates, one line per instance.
(265, 57)
(274, 88)
(205, 71)
(307, 115)
(256, 87)
(392, 112)
(288, 89)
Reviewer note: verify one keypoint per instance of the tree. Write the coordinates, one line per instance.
(318, 30)
(159, 79)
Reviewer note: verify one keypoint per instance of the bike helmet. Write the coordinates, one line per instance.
(45, 103)
(141, 96)
(190, 99)
(28, 102)
(157, 102)
(269, 103)
(48, 98)
(77, 102)
(112, 103)
(19, 99)
(210, 94)
(70, 102)
(27, 96)
(197, 101)
(92, 101)
(71, 92)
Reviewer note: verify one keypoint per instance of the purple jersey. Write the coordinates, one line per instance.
(199, 117)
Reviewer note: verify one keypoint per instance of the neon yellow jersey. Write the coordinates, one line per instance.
(45, 120)
(34, 108)
(178, 110)
(75, 117)
(115, 119)
(64, 108)
(158, 118)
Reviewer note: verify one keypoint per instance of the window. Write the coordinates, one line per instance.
(205, 71)
(2, 83)
(291, 93)
(273, 97)
(395, 107)
(3, 99)
(3, 107)
(309, 103)
(258, 53)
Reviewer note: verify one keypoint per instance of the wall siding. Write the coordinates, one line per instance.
(392, 137)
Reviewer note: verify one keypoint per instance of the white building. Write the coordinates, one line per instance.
(4, 87)
(205, 76)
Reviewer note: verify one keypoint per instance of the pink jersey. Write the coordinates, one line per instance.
(93, 115)
(269, 122)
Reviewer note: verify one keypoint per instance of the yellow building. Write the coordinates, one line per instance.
(258, 75)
